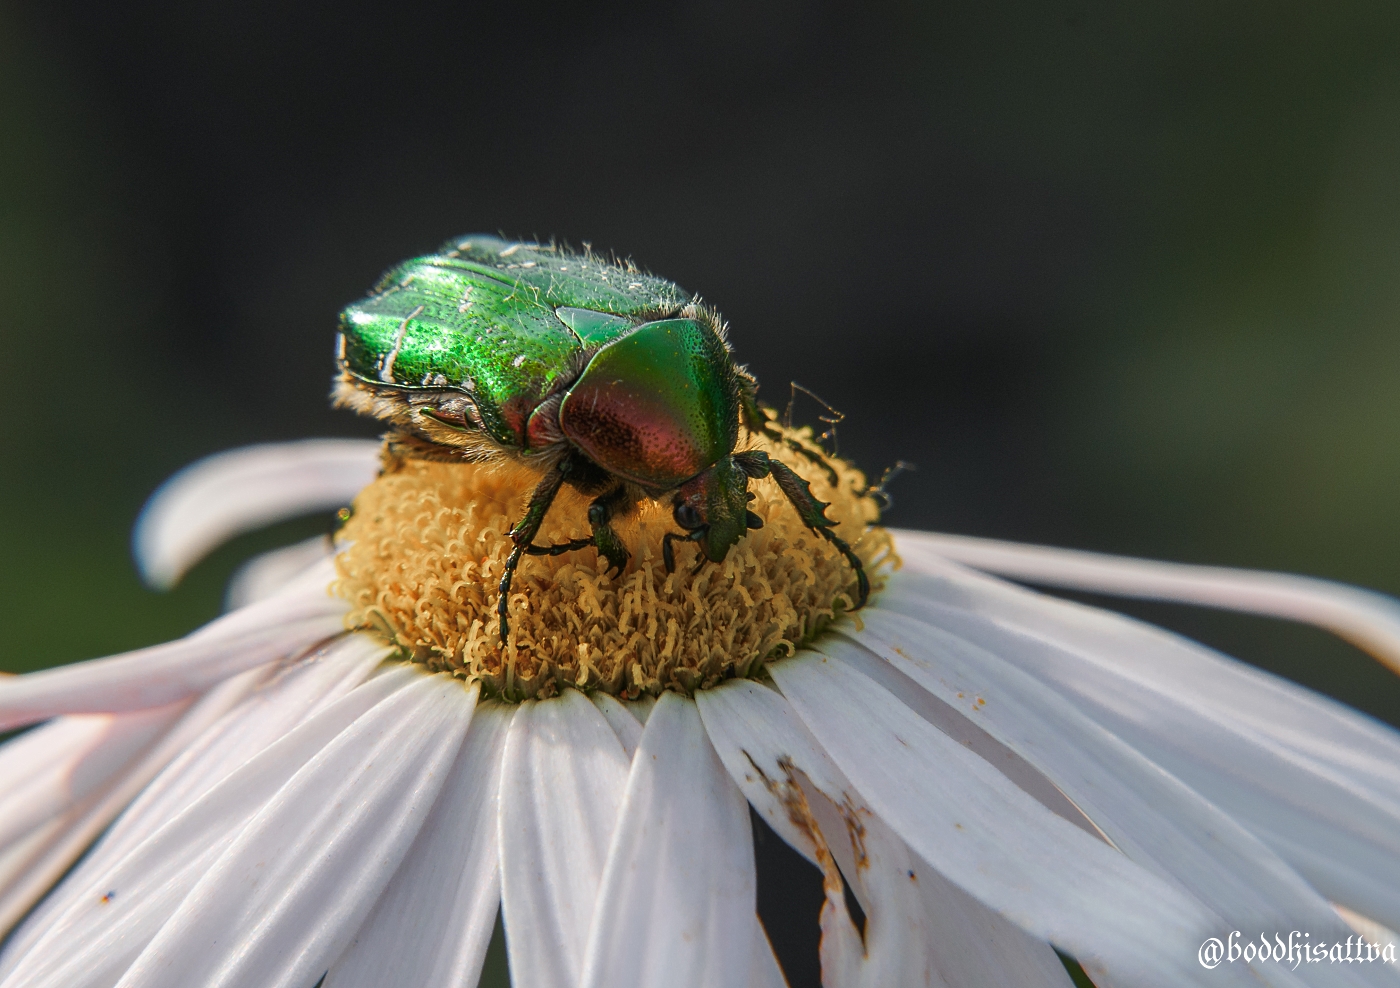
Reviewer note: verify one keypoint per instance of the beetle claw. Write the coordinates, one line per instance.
(610, 547)
(600, 512)
(668, 555)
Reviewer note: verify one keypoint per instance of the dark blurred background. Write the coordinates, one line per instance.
(1121, 277)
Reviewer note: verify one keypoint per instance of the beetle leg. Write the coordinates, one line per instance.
(699, 563)
(599, 514)
(668, 555)
(755, 463)
(813, 515)
(558, 549)
(524, 533)
(802, 450)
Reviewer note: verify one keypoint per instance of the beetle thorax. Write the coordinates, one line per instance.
(654, 408)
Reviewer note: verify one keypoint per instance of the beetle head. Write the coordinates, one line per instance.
(713, 507)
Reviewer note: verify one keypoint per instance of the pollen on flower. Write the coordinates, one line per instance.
(426, 545)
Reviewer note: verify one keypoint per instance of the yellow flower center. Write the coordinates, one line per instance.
(424, 550)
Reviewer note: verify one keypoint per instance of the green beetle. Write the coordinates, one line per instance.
(615, 382)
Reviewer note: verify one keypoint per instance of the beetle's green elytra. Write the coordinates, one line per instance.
(614, 382)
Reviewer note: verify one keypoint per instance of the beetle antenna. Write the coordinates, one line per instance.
(832, 418)
(879, 491)
(757, 421)
(766, 426)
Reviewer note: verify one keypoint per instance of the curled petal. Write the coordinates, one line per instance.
(220, 496)
(299, 617)
(1367, 619)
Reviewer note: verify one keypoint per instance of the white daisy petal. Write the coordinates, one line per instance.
(1148, 814)
(32, 871)
(70, 768)
(19, 860)
(1368, 619)
(899, 942)
(567, 773)
(286, 897)
(161, 674)
(1293, 715)
(24, 757)
(149, 677)
(761, 742)
(265, 574)
(431, 926)
(206, 756)
(676, 908)
(111, 916)
(263, 717)
(641, 707)
(308, 594)
(768, 752)
(754, 731)
(842, 951)
(626, 725)
(991, 838)
(238, 491)
(1341, 833)
(208, 744)
(973, 947)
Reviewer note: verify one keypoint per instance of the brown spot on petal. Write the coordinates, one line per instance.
(788, 792)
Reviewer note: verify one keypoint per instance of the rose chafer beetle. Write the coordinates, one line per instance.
(615, 382)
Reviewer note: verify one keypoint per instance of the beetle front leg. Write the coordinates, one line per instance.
(600, 512)
(668, 555)
(813, 515)
(523, 534)
(559, 548)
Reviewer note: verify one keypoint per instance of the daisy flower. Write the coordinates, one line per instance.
(346, 777)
